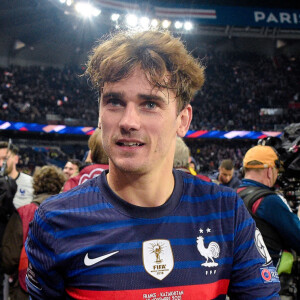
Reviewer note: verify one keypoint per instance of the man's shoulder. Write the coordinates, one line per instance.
(24, 177)
(201, 186)
(234, 182)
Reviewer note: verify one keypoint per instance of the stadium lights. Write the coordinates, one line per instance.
(166, 24)
(69, 2)
(62, 1)
(188, 26)
(115, 17)
(154, 23)
(131, 20)
(178, 25)
(87, 10)
(144, 23)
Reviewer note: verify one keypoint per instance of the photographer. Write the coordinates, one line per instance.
(279, 226)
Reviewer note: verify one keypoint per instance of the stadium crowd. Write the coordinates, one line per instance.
(238, 86)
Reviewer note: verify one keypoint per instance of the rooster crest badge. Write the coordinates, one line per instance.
(210, 252)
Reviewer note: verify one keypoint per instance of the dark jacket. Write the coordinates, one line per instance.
(12, 244)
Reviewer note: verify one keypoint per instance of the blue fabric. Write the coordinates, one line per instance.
(72, 225)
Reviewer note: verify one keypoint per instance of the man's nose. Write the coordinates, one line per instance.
(130, 119)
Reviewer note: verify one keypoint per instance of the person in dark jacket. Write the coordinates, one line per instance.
(47, 181)
(226, 175)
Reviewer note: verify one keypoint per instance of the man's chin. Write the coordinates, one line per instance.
(130, 168)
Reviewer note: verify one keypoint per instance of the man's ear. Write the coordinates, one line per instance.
(16, 159)
(184, 119)
(269, 173)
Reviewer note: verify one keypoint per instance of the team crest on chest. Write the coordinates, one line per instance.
(210, 251)
(158, 258)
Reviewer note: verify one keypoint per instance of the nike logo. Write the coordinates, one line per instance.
(91, 261)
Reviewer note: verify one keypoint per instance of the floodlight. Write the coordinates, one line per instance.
(131, 20)
(144, 22)
(96, 12)
(69, 2)
(115, 17)
(188, 25)
(178, 25)
(62, 1)
(87, 10)
(166, 24)
(154, 23)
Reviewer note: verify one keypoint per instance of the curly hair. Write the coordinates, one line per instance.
(48, 179)
(164, 58)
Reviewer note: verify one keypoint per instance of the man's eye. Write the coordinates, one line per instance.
(114, 102)
(150, 105)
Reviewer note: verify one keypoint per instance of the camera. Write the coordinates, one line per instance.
(288, 149)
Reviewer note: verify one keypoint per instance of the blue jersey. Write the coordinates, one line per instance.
(88, 243)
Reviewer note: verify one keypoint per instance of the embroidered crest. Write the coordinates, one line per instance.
(210, 252)
(158, 258)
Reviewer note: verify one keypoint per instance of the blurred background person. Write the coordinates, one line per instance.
(47, 181)
(96, 162)
(182, 158)
(72, 168)
(226, 175)
(279, 226)
(24, 194)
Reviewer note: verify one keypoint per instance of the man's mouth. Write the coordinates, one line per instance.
(130, 144)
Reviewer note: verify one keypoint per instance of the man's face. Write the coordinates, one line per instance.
(12, 160)
(70, 169)
(225, 175)
(139, 124)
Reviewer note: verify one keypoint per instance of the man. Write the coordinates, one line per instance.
(97, 162)
(226, 176)
(142, 230)
(24, 194)
(279, 226)
(71, 168)
(182, 157)
(47, 181)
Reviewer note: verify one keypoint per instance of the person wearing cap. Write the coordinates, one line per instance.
(279, 226)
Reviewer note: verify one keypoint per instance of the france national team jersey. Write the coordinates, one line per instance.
(88, 243)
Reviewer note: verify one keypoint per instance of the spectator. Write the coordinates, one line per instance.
(182, 157)
(71, 168)
(226, 175)
(24, 194)
(47, 181)
(97, 162)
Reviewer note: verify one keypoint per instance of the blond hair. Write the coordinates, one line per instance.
(163, 58)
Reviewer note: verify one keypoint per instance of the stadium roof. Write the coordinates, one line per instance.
(42, 30)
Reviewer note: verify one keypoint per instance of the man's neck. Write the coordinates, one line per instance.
(149, 190)
(258, 178)
(14, 174)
